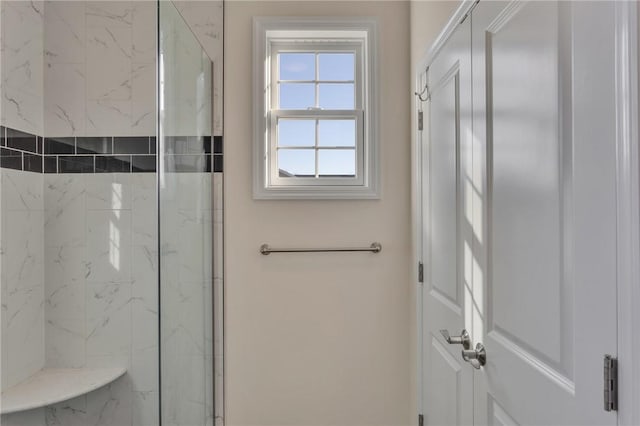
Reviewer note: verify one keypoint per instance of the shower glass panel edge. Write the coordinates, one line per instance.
(185, 223)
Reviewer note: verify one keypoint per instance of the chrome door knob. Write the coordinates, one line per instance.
(476, 357)
(463, 339)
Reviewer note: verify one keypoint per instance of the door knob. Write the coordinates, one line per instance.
(476, 357)
(463, 339)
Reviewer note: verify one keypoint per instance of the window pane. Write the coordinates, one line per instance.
(337, 162)
(296, 162)
(296, 132)
(337, 133)
(336, 66)
(297, 66)
(297, 96)
(336, 96)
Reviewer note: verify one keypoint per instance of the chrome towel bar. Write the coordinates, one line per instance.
(266, 249)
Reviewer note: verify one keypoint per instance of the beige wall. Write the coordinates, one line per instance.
(323, 339)
(318, 339)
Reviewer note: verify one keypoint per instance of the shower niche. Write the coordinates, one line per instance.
(109, 154)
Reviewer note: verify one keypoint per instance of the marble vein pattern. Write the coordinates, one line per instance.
(22, 65)
(206, 21)
(187, 342)
(100, 68)
(22, 275)
(101, 292)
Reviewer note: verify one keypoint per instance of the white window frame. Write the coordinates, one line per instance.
(274, 35)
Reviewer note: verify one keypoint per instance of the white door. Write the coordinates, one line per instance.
(447, 381)
(545, 210)
(520, 216)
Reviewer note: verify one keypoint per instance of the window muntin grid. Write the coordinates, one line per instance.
(316, 157)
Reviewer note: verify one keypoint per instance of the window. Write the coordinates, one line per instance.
(315, 134)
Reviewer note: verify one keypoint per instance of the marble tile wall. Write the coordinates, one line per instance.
(186, 295)
(21, 68)
(72, 68)
(22, 275)
(206, 20)
(100, 68)
(97, 237)
(101, 292)
(218, 296)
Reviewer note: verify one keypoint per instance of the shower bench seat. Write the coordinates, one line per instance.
(51, 385)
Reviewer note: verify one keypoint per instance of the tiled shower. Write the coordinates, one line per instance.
(111, 212)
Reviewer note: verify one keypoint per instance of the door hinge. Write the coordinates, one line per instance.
(610, 383)
(420, 120)
(420, 272)
(420, 420)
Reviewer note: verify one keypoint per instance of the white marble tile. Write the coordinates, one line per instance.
(64, 30)
(195, 245)
(65, 343)
(24, 332)
(23, 47)
(64, 100)
(21, 191)
(144, 209)
(143, 118)
(206, 21)
(199, 196)
(108, 250)
(107, 406)
(117, 360)
(23, 254)
(183, 399)
(111, 404)
(144, 99)
(22, 110)
(65, 270)
(108, 330)
(68, 413)
(109, 191)
(144, 323)
(145, 408)
(112, 14)
(65, 220)
(108, 117)
(144, 32)
(108, 63)
(183, 320)
(145, 274)
(24, 418)
(144, 369)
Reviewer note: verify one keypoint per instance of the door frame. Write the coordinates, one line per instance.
(628, 200)
(627, 17)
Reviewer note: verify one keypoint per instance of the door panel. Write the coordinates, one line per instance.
(526, 185)
(444, 196)
(447, 371)
(544, 160)
(447, 383)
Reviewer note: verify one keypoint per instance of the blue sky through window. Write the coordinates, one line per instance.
(332, 88)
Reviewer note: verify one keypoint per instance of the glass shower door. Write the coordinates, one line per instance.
(185, 234)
